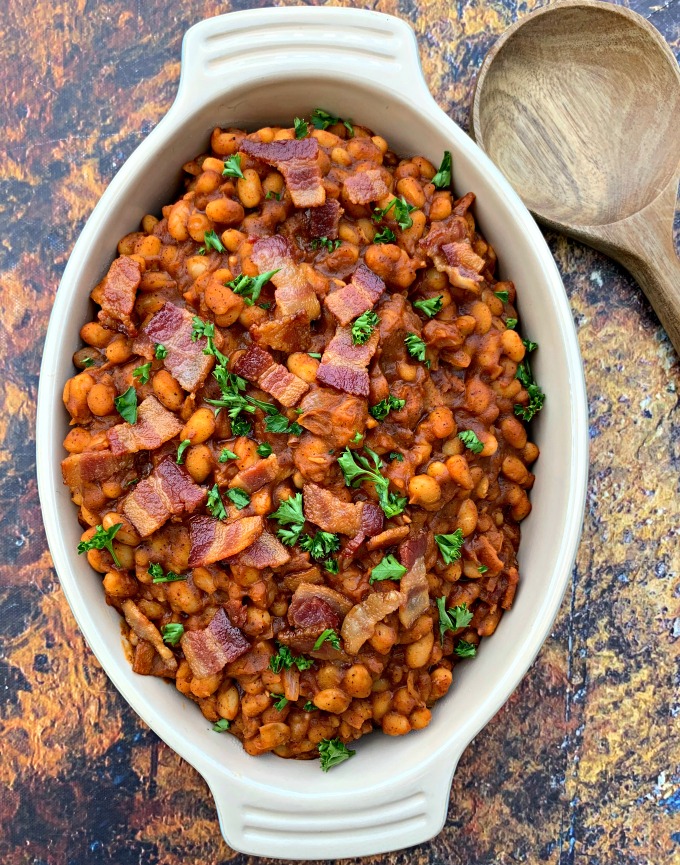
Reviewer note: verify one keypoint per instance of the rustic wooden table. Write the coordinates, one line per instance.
(583, 763)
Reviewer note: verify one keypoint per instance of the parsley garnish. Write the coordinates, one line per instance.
(315, 354)
(322, 120)
(387, 569)
(529, 345)
(272, 194)
(280, 701)
(221, 726)
(183, 445)
(385, 406)
(442, 179)
(212, 241)
(397, 457)
(402, 211)
(356, 438)
(156, 571)
(250, 287)
(289, 513)
(330, 245)
(102, 540)
(141, 373)
(284, 659)
(364, 326)
(200, 328)
(301, 127)
(161, 351)
(450, 546)
(215, 504)
(332, 752)
(431, 306)
(172, 633)
(279, 423)
(416, 347)
(226, 455)
(331, 565)
(357, 469)
(264, 450)
(482, 569)
(502, 295)
(126, 404)
(465, 650)
(456, 618)
(239, 497)
(330, 636)
(232, 166)
(511, 323)
(321, 545)
(385, 236)
(88, 362)
(241, 427)
(309, 707)
(471, 442)
(526, 378)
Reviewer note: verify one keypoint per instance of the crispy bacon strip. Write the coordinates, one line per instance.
(290, 333)
(274, 467)
(172, 327)
(213, 540)
(168, 491)
(323, 221)
(360, 622)
(365, 187)
(372, 520)
(208, 651)
(415, 597)
(297, 162)
(329, 512)
(259, 366)
(332, 415)
(462, 265)
(344, 365)
(85, 473)
(266, 552)
(293, 293)
(360, 295)
(313, 605)
(116, 294)
(412, 549)
(146, 630)
(155, 426)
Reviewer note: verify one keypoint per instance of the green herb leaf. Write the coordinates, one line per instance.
(322, 120)
(529, 345)
(309, 707)
(289, 513)
(264, 450)
(331, 565)
(321, 545)
(450, 546)
(272, 194)
(387, 569)
(356, 438)
(401, 215)
(465, 650)
(315, 354)
(141, 373)
(232, 166)
(239, 497)
(330, 636)
(279, 423)
(397, 457)
(511, 323)
(88, 362)
(482, 569)
(332, 752)
(431, 306)
(161, 351)
(126, 404)
(183, 445)
(330, 245)
(364, 326)
(385, 236)
(471, 442)
(502, 295)
(212, 241)
(385, 406)
(456, 617)
(206, 329)
(442, 179)
(215, 504)
(356, 469)
(416, 347)
(156, 571)
(284, 659)
(172, 633)
(250, 287)
(221, 726)
(226, 455)
(102, 540)
(301, 127)
(280, 701)
(241, 427)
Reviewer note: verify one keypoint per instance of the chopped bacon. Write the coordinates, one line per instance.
(344, 365)
(168, 491)
(461, 207)
(297, 162)
(266, 552)
(447, 230)
(274, 467)
(365, 187)
(333, 415)
(329, 512)
(372, 520)
(208, 651)
(147, 662)
(317, 606)
(388, 538)
(155, 426)
(291, 684)
(462, 265)
(259, 366)
(415, 596)
(323, 221)
(290, 333)
(360, 622)
(146, 630)
(213, 540)
(412, 549)
(255, 661)
(360, 295)
(116, 294)
(172, 327)
(442, 335)
(293, 292)
(85, 473)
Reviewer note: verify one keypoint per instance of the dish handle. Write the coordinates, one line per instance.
(220, 53)
(269, 820)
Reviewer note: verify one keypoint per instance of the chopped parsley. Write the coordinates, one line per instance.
(330, 245)
(416, 347)
(529, 345)
(215, 504)
(364, 326)
(356, 469)
(289, 513)
(321, 545)
(465, 650)
(511, 323)
(301, 127)
(156, 571)
(502, 295)
(126, 404)
(264, 450)
(161, 351)
(380, 410)
(329, 636)
(212, 241)
(397, 457)
(331, 565)
(241, 427)
(315, 354)
(387, 569)
(206, 329)
(401, 215)
(309, 707)
(232, 166)
(141, 373)
(87, 362)
(172, 633)
(482, 569)
(526, 379)
(280, 701)
(385, 236)
(183, 445)
(332, 752)
(431, 306)
(322, 120)
(450, 546)
(453, 619)
(356, 438)
(225, 455)
(221, 726)
(102, 540)
(284, 660)
(442, 179)
(279, 423)
(272, 194)
(471, 442)
(239, 497)
(250, 287)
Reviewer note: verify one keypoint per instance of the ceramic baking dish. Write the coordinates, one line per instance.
(264, 67)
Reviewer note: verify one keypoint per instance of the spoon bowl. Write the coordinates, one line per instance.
(579, 105)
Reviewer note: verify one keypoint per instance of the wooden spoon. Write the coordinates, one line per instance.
(579, 106)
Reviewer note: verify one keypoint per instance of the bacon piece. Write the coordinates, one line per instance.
(412, 549)
(116, 294)
(293, 292)
(155, 426)
(360, 295)
(290, 333)
(146, 630)
(323, 221)
(360, 622)
(388, 538)
(372, 520)
(461, 207)
(208, 651)
(344, 365)
(259, 366)
(306, 608)
(213, 540)
(462, 265)
(442, 335)
(447, 230)
(168, 491)
(415, 594)
(291, 684)
(333, 415)
(172, 327)
(329, 512)
(266, 552)
(255, 661)
(365, 187)
(147, 662)
(85, 473)
(296, 160)
(274, 467)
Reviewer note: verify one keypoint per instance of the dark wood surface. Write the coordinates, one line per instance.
(583, 763)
